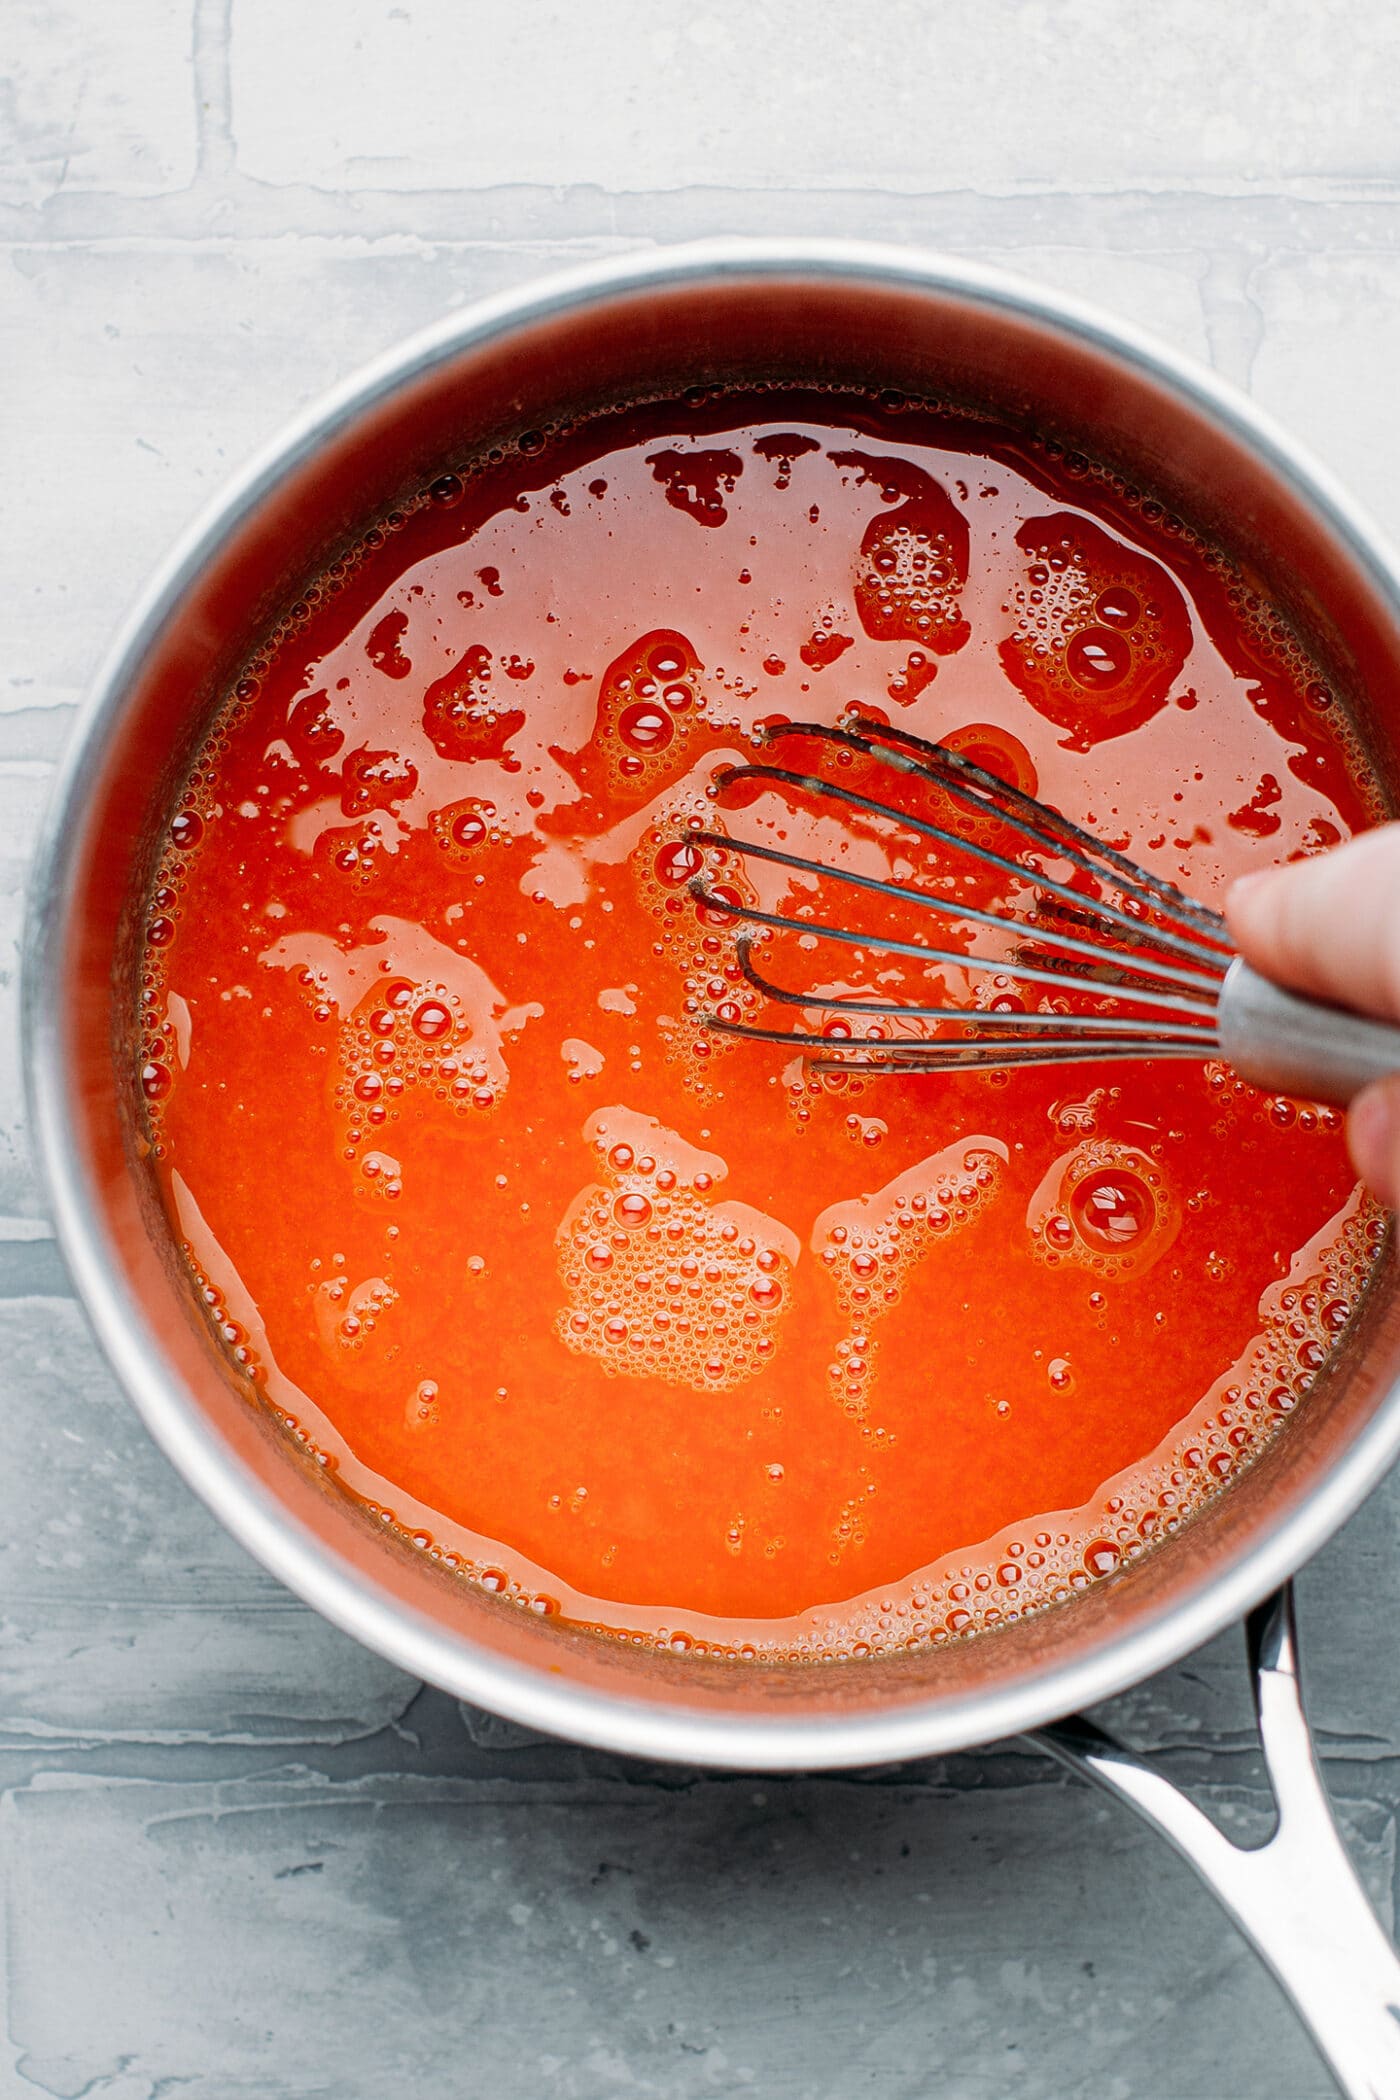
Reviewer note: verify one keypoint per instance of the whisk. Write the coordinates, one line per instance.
(1120, 962)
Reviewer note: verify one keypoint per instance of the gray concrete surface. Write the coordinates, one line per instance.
(238, 1855)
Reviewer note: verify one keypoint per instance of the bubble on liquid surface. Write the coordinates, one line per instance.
(644, 727)
(1118, 607)
(1098, 658)
(1113, 1209)
(995, 751)
(465, 829)
(346, 1317)
(156, 1080)
(432, 1020)
(412, 1015)
(677, 861)
(1107, 1205)
(373, 780)
(918, 671)
(1100, 630)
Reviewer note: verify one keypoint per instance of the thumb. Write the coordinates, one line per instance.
(1373, 1136)
(1328, 926)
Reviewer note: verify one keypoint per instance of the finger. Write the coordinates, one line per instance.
(1373, 1137)
(1329, 925)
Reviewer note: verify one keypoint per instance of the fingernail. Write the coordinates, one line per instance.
(1373, 1138)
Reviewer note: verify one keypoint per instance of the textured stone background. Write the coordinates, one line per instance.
(242, 1857)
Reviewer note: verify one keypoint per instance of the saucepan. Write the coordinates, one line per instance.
(819, 312)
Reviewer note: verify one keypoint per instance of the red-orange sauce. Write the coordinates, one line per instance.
(673, 1335)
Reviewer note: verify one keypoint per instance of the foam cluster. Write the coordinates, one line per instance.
(699, 940)
(1045, 1561)
(1100, 630)
(408, 1036)
(869, 1245)
(913, 563)
(462, 718)
(662, 1279)
(1105, 1206)
(649, 701)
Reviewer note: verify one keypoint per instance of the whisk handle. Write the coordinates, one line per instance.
(1294, 1045)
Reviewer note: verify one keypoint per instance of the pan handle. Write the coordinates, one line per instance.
(1296, 1898)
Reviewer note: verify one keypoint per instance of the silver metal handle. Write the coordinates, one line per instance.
(1297, 1898)
(1291, 1045)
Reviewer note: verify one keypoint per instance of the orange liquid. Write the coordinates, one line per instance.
(672, 1334)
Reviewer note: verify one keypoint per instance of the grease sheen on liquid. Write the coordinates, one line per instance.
(673, 1336)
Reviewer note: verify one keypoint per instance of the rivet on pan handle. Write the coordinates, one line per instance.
(1296, 1898)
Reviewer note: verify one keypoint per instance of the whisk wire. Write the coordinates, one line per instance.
(1188, 1030)
(1205, 977)
(887, 944)
(940, 763)
(830, 790)
(1171, 973)
(947, 1057)
(989, 1058)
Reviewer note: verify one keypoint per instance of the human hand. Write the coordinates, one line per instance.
(1330, 926)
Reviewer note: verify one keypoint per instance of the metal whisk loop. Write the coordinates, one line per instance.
(1171, 973)
(1113, 973)
(993, 1057)
(813, 784)
(1040, 825)
(1036, 819)
(1189, 1030)
(885, 944)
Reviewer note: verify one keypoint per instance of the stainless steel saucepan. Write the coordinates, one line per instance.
(810, 311)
